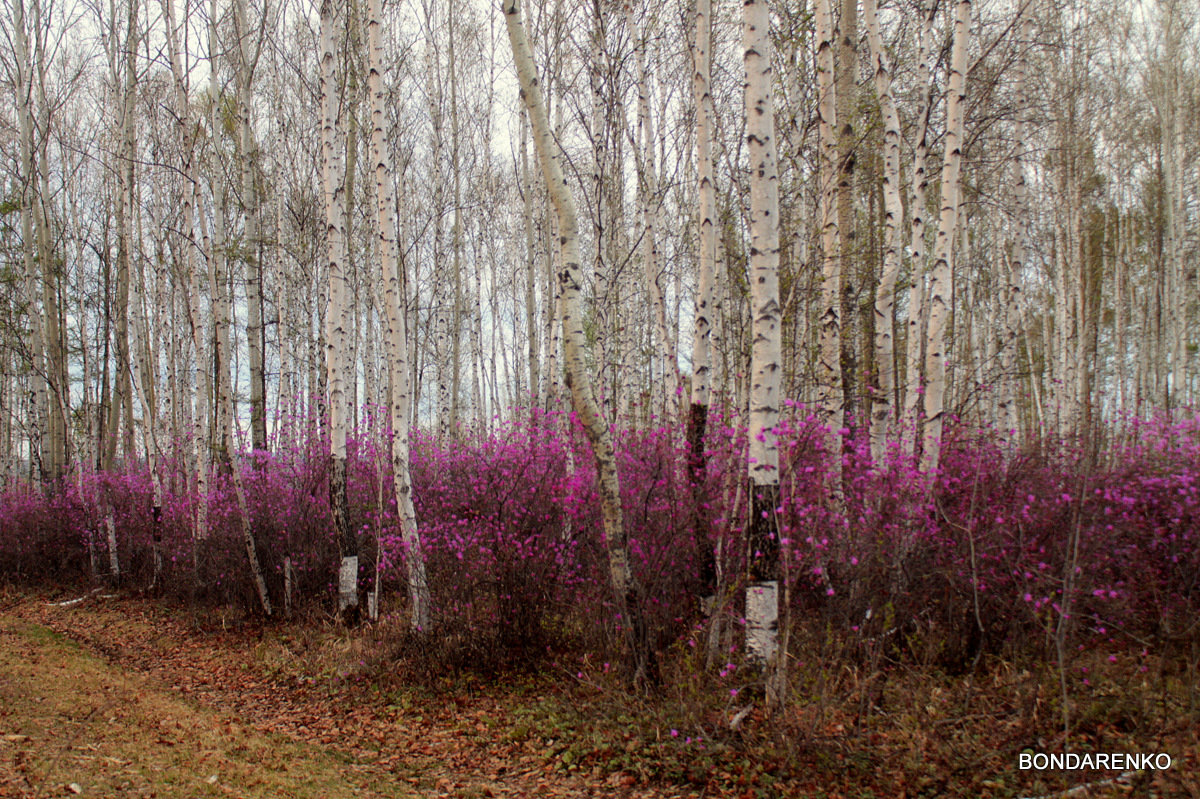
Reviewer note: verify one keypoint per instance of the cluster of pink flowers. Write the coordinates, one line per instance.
(511, 532)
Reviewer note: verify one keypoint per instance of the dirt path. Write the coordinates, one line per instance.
(118, 698)
(75, 723)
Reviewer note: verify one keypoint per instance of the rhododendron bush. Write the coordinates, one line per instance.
(1001, 550)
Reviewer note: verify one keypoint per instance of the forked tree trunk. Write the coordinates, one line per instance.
(397, 340)
(626, 590)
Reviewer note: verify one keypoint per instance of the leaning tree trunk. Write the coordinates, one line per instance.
(626, 590)
(763, 537)
(414, 559)
(940, 285)
(335, 322)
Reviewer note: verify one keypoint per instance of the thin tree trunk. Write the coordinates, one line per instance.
(830, 397)
(915, 363)
(884, 389)
(126, 209)
(940, 285)
(397, 339)
(531, 327)
(703, 304)
(848, 282)
(332, 144)
(39, 419)
(143, 383)
(668, 402)
(1012, 312)
(248, 152)
(456, 227)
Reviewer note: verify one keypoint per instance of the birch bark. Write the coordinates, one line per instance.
(333, 179)
(830, 397)
(915, 343)
(763, 562)
(248, 151)
(668, 402)
(940, 285)
(702, 312)
(397, 339)
(626, 589)
(884, 389)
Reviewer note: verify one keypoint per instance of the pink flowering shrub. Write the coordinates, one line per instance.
(996, 551)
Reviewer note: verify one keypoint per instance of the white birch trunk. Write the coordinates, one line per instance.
(143, 385)
(255, 339)
(763, 586)
(915, 363)
(397, 339)
(1015, 277)
(706, 256)
(651, 259)
(830, 399)
(881, 399)
(183, 121)
(28, 295)
(333, 179)
(625, 588)
(940, 285)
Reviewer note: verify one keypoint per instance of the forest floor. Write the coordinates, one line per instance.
(126, 697)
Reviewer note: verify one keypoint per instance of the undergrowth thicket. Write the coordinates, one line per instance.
(1007, 549)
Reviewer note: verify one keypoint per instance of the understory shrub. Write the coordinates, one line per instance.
(1005, 547)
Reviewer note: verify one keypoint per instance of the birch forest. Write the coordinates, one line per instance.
(797, 374)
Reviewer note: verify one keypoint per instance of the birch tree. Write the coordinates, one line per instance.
(763, 537)
(829, 369)
(915, 340)
(397, 339)
(626, 590)
(882, 395)
(940, 286)
(21, 75)
(706, 256)
(246, 59)
(648, 190)
(332, 144)
(201, 389)
(1015, 267)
